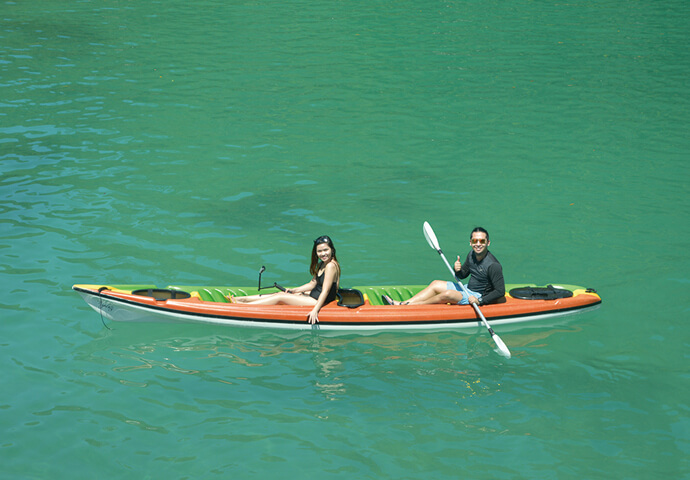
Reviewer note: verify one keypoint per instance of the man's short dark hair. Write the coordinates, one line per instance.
(480, 229)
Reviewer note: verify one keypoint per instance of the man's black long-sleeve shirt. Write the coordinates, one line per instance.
(487, 276)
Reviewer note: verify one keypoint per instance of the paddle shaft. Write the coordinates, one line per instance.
(476, 307)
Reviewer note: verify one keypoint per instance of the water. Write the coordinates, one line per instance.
(192, 142)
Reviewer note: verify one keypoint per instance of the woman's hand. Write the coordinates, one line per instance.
(313, 316)
(306, 288)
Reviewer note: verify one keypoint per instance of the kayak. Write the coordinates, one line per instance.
(356, 309)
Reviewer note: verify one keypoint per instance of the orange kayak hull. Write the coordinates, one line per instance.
(123, 304)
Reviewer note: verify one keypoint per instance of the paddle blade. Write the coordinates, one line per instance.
(431, 237)
(502, 349)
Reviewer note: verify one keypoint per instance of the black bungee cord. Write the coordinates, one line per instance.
(100, 306)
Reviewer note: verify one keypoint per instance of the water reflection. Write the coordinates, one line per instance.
(272, 363)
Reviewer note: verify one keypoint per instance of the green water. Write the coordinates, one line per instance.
(192, 142)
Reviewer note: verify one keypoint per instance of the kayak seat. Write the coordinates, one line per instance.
(350, 298)
(400, 293)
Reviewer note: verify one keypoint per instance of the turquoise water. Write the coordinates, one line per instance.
(192, 142)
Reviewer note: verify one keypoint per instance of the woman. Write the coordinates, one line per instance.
(322, 288)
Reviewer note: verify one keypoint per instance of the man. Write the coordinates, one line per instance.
(486, 283)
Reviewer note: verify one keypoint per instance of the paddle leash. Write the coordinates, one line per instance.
(433, 243)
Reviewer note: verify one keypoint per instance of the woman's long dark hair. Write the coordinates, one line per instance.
(315, 261)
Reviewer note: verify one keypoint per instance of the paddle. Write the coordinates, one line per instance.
(433, 243)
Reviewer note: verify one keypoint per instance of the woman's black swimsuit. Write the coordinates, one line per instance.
(316, 291)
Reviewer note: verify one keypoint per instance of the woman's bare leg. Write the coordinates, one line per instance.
(282, 298)
(252, 298)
